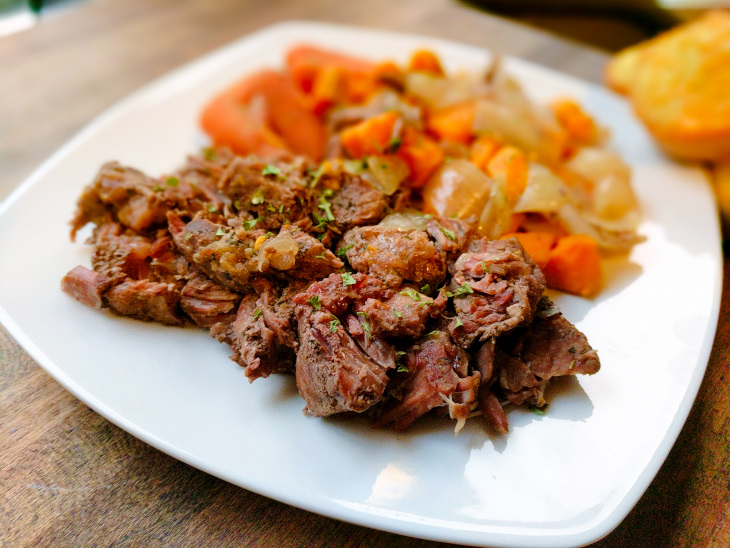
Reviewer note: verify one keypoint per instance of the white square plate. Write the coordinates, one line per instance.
(565, 478)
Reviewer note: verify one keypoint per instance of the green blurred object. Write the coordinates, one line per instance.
(35, 5)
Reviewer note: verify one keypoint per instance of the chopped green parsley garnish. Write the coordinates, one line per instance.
(173, 181)
(403, 368)
(257, 313)
(484, 266)
(412, 294)
(315, 302)
(432, 334)
(258, 197)
(212, 208)
(322, 256)
(157, 188)
(396, 313)
(537, 411)
(426, 289)
(248, 225)
(220, 232)
(572, 364)
(458, 323)
(364, 323)
(270, 170)
(317, 176)
(209, 153)
(342, 251)
(463, 289)
(448, 233)
(334, 323)
(347, 279)
(393, 145)
(325, 206)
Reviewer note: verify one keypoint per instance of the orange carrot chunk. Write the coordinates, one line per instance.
(425, 61)
(537, 245)
(422, 154)
(304, 61)
(482, 150)
(371, 136)
(264, 114)
(580, 126)
(453, 123)
(574, 266)
(511, 163)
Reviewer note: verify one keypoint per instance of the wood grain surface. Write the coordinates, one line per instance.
(68, 477)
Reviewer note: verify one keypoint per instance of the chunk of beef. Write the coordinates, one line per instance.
(128, 196)
(235, 256)
(450, 236)
(84, 285)
(387, 311)
(333, 373)
(379, 350)
(206, 302)
(496, 287)
(120, 194)
(394, 255)
(146, 300)
(275, 193)
(404, 314)
(438, 376)
(549, 347)
(345, 200)
(224, 254)
(489, 405)
(338, 292)
(131, 276)
(263, 336)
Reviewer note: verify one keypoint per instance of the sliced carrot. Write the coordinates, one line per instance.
(305, 61)
(453, 123)
(536, 244)
(422, 154)
(574, 265)
(390, 73)
(577, 123)
(325, 89)
(482, 150)
(230, 124)
(282, 123)
(358, 86)
(371, 136)
(510, 162)
(425, 61)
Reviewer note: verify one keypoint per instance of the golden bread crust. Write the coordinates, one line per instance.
(679, 84)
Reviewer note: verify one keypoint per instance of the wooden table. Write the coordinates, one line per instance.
(69, 477)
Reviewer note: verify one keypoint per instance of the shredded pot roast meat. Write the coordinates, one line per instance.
(296, 270)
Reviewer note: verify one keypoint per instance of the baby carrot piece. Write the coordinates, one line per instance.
(580, 126)
(425, 61)
(536, 244)
(483, 150)
(278, 123)
(304, 61)
(325, 89)
(574, 266)
(371, 136)
(423, 155)
(512, 164)
(453, 123)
